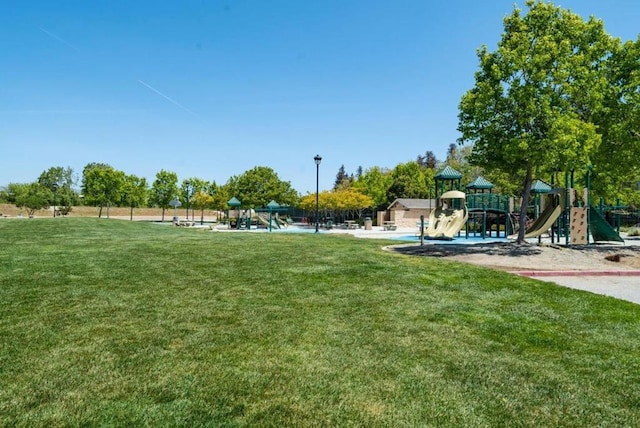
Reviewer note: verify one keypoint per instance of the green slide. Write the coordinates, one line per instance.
(600, 228)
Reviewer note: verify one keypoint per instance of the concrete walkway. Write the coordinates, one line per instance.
(624, 285)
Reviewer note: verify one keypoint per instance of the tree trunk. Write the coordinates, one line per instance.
(525, 203)
(202, 217)
(131, 214)
(100, 212)
(163, 214)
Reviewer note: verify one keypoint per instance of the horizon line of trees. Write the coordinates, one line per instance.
(373, 188)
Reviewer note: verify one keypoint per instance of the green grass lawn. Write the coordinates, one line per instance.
(106, 322)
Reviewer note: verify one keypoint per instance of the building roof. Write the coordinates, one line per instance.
(480, 183)
(413, 203)
(448, 173)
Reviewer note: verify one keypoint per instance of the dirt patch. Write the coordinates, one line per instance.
(513, 257)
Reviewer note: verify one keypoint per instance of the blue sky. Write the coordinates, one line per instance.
(213, 88)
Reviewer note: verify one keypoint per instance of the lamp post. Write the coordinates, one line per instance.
(317, 160)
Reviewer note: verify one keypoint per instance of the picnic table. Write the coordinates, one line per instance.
(389, 225)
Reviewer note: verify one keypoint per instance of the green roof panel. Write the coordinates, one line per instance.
(540, 186)
(448, 174)
(234, 202)
(480, 183)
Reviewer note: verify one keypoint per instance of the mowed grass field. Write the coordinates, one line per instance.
(108, 322)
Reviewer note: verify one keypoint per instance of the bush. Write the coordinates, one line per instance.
(634, 231)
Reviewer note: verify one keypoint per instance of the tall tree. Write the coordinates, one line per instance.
(164, 190)
(529, 110)
(375, 182)
(408, 181)
(616, 164)
(188, 189)
(202, 200)
(60, 182)
(33, 197)
(102, 185)
(452, 151)
(134, 192)
(429, 160)
(220, 196)
(259, 186)
(342, 179)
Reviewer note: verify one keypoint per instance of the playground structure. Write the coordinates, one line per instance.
(563, 214)
(487, 211)
(447, 220)
(481, 210)
(268, 217)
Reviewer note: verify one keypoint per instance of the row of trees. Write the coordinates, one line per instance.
(103, 186)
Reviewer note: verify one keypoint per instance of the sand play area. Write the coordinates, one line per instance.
(536, 257)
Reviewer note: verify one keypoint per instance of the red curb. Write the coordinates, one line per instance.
(577, 272)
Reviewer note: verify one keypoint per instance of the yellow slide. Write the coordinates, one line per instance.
(445, 223)
(546, 219)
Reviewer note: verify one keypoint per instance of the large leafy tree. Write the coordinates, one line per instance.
(135, 192)
(341, 203)
(60, 182)
(102, 185)
(220, 195)
(260, 185)
(375, 183)
(410, 180)
(33, 197)
(164, 190)
(202, 200)
(530, 109)
(11, 190)
(616, 164)
(189, 188)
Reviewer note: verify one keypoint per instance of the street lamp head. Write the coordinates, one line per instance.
(317, 159)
